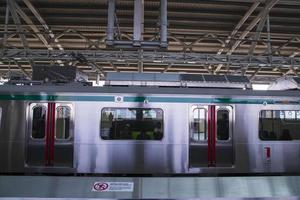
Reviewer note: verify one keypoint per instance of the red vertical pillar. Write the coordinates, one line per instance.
(209, 136)
(50, 134)
(213, 136)
(211, 139)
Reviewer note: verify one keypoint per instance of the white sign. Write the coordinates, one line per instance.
(113, 187)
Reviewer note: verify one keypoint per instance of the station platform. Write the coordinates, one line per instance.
(77, 187)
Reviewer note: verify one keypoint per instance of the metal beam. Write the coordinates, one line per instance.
(36, 30)
(113, 66)
(21, 68)
(140, 66)
(269, 5)
(178, 58)
(37, 15)
(260, 26)
(255, 73)
(138, 28)
(16, 19)
(32, 26)
(258, 31)
(42, 21)
(168, 67)
(140, 62)
(294, 54)
(291, 70)
(6, 24)
(111, 21)
(163, 23)
(269, 37)
(17, 22)
(97, 68)
(240, 24)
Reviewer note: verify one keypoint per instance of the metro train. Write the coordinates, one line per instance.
(148, 130)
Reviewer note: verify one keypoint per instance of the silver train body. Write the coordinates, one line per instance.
(86, 150)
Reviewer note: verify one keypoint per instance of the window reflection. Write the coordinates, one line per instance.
(63, 116)
(222, 125)
(279, 125)
(198, 124)
(38, 122)
(131, 124)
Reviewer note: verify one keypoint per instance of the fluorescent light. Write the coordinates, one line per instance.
(157, 61)
(120, 60)
(260, 86)
(191, 62)
(101, 83)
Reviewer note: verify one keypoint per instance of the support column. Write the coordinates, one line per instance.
(6, 24)
(163, 23)
(138, 28)
(111, 22)
(140, 62)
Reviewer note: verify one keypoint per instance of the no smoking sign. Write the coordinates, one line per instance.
(100, 187)
(113, 187)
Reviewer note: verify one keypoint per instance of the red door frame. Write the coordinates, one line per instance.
(50, 135)
(211, 139)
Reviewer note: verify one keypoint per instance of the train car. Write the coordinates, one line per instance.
(148, 130)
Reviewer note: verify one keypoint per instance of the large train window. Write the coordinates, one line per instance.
(62, 125)
(279, 125)
(38, 122)
(222, 125)
(199, 124)
(131, 124)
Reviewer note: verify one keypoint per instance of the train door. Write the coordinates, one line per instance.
(50, 140)
(211, 143)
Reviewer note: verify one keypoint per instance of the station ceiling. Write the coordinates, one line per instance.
(259, 39)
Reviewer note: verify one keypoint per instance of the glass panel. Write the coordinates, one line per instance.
(198, 124)
(298, 114)
(281, 115)
(131, 124)
(222, 125)
(63, 117)
(38, 122)
(269, 114)
(282, 125)
(290, 114)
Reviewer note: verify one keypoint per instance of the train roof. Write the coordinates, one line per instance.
(50, 89)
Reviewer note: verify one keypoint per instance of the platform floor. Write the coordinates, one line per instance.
(251, 187)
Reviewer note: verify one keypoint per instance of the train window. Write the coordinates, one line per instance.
(63, 118)
(131, 124)
(279, 125)
(222, 125)
(38, 122)
(199, 124)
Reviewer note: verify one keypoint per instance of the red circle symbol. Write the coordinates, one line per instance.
(100, 186)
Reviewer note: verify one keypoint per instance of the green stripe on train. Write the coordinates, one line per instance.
(197, 100)
(56, 98)
(141, 99)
